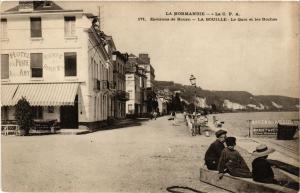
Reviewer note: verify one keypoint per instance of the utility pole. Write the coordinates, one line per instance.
(99, 16)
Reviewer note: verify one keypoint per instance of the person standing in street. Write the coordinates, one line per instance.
(214, 151)
(154, 115)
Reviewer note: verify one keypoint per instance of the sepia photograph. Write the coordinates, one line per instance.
(150, 96)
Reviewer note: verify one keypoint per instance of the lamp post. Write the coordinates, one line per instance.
(193, 83)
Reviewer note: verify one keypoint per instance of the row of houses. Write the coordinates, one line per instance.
(68, 68)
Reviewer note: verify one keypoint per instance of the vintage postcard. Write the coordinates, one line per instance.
(150, 96)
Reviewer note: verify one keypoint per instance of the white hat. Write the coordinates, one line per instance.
(262, 150)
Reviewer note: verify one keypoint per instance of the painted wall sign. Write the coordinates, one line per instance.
(19, 63)
(53, 62)
(266, 128)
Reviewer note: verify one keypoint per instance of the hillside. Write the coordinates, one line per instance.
(229, 100)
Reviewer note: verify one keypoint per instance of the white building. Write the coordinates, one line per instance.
(119, 62)
(162, 105)
(136, 87)
(144, 62)
(59, 61)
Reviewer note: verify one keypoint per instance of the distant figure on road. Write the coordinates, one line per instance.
(214, 151)
(261, 168)
(200, 123)
(154, 115)
(173, 115)
(232, 162)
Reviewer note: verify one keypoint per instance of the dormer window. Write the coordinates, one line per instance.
(47, 4)
(25, 6)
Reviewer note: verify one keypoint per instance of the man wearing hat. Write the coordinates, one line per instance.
(261, 168)
(214, 151)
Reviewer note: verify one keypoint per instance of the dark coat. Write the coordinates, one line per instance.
(232, 162)
(262, 171)
(213, 154)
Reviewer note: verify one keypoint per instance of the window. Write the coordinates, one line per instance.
(50, 109)
(4, 66)
(36, 27)
(4, 113)
(130, 94)
(36, 65)
(70, 26)
(3, 28)
(130, 108)
(70, 64)
(37, 112)
(47, 4)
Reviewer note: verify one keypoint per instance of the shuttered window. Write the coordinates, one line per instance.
(70, 26)
(70, 64)
(36, 64)
(3, 28)
(4, 66)
(36, 27)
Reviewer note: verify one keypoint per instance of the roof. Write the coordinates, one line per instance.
(39, 94)
(132, 55)
(39, 6)
(124, 57)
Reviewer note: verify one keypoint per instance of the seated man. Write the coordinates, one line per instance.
(214, 151)
(232, 162)
(261, 168)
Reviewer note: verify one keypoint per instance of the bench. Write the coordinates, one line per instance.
(8, 129)
(47, 126)
(236, 184)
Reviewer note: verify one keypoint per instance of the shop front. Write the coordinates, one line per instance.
(49, 101)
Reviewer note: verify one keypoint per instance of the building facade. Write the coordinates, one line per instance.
(59, 60)
(162, 105)
(150, 95)
(144, 62)
(135, 86)
(121, 96)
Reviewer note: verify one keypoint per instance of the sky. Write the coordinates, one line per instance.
(259, 57)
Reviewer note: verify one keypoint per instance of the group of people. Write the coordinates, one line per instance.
(228, 160)
(197, 121)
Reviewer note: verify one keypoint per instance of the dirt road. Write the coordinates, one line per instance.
(145, 158)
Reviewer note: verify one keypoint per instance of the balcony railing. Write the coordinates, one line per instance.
(122, 95)
(104, 84)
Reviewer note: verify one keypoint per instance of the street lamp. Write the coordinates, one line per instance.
(193, 83)
(193, 80)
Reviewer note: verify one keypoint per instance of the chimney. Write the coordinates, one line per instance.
(25, 6)
(145, 58)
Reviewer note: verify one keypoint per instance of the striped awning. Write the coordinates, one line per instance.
(7, 94)
(41, 94)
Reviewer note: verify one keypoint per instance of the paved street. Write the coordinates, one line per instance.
(145, 158)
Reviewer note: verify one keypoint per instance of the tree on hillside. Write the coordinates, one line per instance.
(176, 104)
(152, 103)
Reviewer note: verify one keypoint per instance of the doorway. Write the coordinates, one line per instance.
(69, 115)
